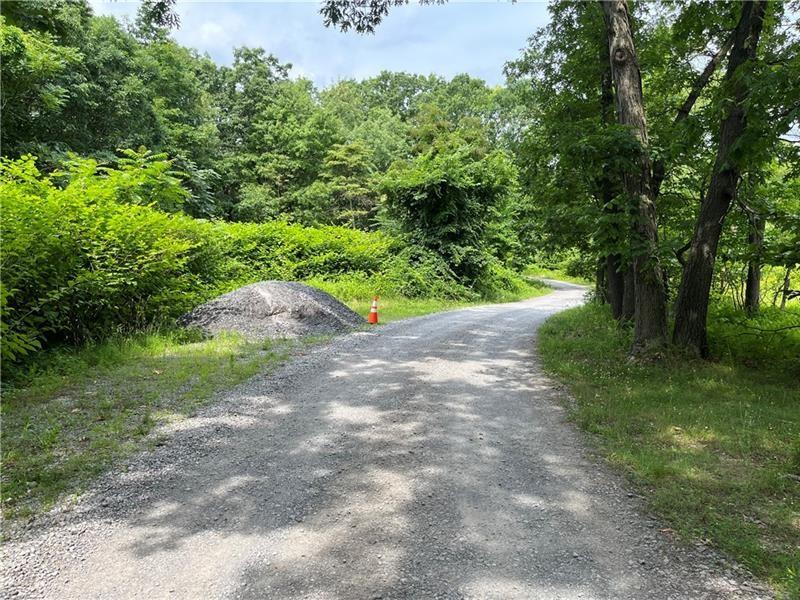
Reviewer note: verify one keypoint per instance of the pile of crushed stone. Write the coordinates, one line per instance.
(273, 309)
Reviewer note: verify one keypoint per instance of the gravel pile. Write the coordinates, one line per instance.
(274, 309)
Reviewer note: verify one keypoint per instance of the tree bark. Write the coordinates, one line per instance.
(600, 292)
(615, 284)
(650, 309)
(608, 189)
(628, 295)
(691, 308)
(755, 239)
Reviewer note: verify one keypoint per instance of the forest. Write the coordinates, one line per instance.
(650, 150)
(540, 169)
(227, 175)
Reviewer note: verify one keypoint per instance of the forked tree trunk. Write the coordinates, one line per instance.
(650, 314)
(755, 238)
(691, 309)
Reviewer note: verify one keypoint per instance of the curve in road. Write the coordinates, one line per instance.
(429, 458)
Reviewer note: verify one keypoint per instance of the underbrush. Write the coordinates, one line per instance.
(771, 337)
(548, 272)
(89, 254)
(393, 308)
(714, 444)
(423, 295)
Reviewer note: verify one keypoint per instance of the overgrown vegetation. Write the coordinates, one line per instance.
(715, 445)
(86, 254)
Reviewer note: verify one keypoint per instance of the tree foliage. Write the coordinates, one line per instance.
(469, 179)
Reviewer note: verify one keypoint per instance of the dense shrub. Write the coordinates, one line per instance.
(761, 340)
(445, 198)
(500, 282)
(419, 273)
(88, 252)
(76, 263)
(278, 250)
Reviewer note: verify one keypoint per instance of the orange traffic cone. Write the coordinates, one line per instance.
(373, 312)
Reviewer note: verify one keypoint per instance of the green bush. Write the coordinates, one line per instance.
(444, 199)
(77, 264)
(279, 250)
(83, 257)
(419, 273)
(761, 340)
(89, 252)
(499, 282)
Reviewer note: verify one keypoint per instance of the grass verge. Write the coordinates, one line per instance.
(74, 412)
(393, 308)
(547, 273)
(715, 446)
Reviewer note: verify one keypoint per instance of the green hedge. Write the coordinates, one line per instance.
(80, 261)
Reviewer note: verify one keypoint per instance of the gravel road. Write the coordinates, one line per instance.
(429, 458)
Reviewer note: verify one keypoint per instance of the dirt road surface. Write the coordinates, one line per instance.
(429, 458)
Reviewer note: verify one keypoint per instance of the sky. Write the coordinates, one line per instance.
(458, 37)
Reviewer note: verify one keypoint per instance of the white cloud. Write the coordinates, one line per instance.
(473, 37)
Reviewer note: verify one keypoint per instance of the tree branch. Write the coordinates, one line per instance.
(659, 170)
(702, 80)
(679, 252)
(760, 330)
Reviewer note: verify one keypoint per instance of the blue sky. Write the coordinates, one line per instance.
(458, 37)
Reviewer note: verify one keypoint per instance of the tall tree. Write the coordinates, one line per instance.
(755, 239)
(614, 268)
(650, 313)
(693, 296)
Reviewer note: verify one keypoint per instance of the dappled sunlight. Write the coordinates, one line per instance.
(440, 371)
(494, 587)
(382, 469)
(484, 333)
(528, 500)
(689, 440)
(577, 503)
(356, 415)
(390, 433)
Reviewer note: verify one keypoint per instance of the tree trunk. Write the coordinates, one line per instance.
(615, 284)
(755, 238)
(608, 189)
(691, 308)
(650, 307)
(600, 289)
(786, 281)
(628, 295)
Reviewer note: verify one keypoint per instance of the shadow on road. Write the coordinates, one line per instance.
(426, 460)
